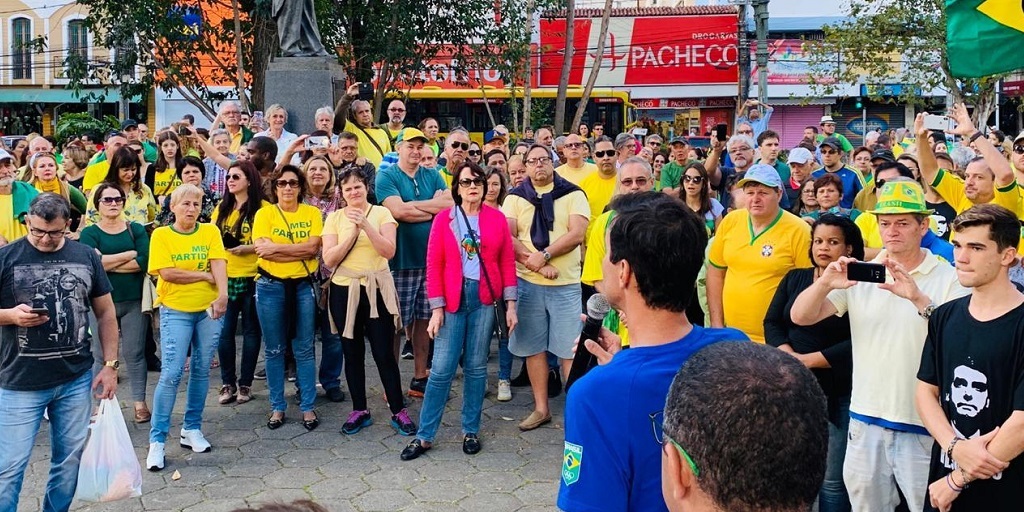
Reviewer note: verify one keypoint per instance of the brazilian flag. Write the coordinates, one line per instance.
(984, 37)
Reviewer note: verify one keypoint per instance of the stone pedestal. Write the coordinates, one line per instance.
(302, 85)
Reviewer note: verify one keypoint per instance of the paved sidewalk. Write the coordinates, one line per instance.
(250, 464)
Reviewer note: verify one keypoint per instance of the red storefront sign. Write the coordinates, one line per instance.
(652, 50)
(1015, 88)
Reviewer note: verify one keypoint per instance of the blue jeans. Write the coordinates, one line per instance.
(179, 331)
(466, 336)
(331, 355)
(69, 406)
(270, 305)
(504, 360)
(245, 305)
(833, 496)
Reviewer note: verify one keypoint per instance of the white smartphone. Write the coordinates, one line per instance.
(938, 123)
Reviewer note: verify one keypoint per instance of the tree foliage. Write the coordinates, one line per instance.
(74, 124)
(894, 42)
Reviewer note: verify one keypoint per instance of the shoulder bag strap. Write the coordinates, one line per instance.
(483, 267)
(372, 140)
(292, 239)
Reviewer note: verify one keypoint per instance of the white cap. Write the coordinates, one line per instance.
(4, 155)
(800, 156)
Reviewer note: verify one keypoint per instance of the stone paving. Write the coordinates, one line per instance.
(250, 464)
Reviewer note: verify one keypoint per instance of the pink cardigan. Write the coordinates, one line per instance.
(444, 259)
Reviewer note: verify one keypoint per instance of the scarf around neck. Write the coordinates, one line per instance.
(543, 208)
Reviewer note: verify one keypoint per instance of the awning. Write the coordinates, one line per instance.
(52, 95)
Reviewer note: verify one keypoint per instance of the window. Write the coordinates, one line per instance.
(78, 39)
(21, 50)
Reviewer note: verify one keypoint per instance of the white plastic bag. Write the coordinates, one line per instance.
(109, 470)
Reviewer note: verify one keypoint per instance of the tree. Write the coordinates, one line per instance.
(563, 80)
(581, 107)
(897, 41)
(173, 45)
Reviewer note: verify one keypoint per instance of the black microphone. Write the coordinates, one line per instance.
(597, 308)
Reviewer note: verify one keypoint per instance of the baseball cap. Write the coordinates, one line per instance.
(129, 123)
(490, 135)
(763, 174)
(4, 155)
(679, 140)
(800, 156)
(833, 142)
(883, 154)
(900, 197)
(826, 119)
(411, 134)
(1019, 137)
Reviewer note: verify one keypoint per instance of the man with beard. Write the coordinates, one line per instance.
(801, 165)
(354, 115)
(263, 155)
(15, 197)
(741, 152)
(831, 156)
(396, 120)
(456, 149)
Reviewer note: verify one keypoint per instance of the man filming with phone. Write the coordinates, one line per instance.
(354, 114)
(888, 323)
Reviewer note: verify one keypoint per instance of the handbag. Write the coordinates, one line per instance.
(500, 309)
(148, 286)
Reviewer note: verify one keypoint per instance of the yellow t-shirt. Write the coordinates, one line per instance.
(94, 174)
(568, 265)
(576, 174)
(186, 251)
(303, 223)
(951, 188)
(362, 257)
(139, 207)
(244, 265)
(165, 182)
(10, 228)
(366, 148)
(599, 192)
(756, 264)
(592, 272)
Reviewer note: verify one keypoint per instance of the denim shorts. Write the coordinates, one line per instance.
(411, 286)
(549, 320)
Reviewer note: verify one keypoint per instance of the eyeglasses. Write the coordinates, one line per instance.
(573, 145)
(466, 183)
(1018, 150)
(657, 422)
(655, 143)
(460, 145)
(39, 233)
(540, 160)
(693, 179)
(605, 153)
(640, 182)
(829, 152)
(474, 152)
(112, 200)
(234, 177)
(287, 183)
(396, 110)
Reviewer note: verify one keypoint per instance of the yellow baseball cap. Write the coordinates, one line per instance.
(899, 197)
(410, 134)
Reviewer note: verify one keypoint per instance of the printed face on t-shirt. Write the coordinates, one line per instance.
(969, 392)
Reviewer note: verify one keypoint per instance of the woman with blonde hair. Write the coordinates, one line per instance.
(44, 178)
(76, 159)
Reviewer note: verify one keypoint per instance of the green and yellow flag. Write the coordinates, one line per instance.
(984, 37)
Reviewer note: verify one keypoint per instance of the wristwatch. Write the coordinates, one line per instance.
(115, 364)
(547, 255)
(926, 313)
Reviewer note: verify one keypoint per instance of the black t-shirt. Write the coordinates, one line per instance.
(943, 217)
(979, 370)
(64, 282)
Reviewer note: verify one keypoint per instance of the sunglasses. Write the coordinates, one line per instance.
(474, 152)
(398, 110)
(640, 182)
(574, 145)
(829, 152)
(693, 179)
(112, 200)
(460, 145)
(879, 184)
(466, 183)
(1018, 150)
(605, 153)
(234, 177)
(287, 183)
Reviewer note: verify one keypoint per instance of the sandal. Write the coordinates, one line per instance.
(143, 415)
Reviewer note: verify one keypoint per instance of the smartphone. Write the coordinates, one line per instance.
(40, 311)
(938, 123)
(865, 272)
(721, 132)
(319, 141)
(366, 91)
(257, 116)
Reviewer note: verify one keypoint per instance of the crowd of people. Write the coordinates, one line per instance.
(359, 234)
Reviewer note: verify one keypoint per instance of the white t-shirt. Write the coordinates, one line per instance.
(888, 335)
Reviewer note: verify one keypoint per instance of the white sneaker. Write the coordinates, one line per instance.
(155, 459)
(195, 440)
(504, 390)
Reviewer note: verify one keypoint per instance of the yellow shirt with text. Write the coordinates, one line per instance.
(238, 265)
(755, 265)
(186, 251)
(165, 182)
(302, 224)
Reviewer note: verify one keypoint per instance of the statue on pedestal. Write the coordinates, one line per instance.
(297, 28)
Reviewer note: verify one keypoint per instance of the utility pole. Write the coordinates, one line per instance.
(744, 53)
(761, 28)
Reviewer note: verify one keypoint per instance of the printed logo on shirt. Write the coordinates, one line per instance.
(572, 458)
(767, 250)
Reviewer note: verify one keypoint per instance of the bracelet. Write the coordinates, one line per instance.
(977, 135)
(949, 482)
(963, 474)
(949, 450)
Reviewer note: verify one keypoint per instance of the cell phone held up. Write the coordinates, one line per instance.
(721, 132)
(938, 123)
(365, 91)
(865, 272)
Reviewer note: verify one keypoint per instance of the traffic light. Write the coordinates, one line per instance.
(859, 104)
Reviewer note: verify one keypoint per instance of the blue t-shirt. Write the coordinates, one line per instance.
(938, 247)
(411, 239)
(851, 184)
(612, 460)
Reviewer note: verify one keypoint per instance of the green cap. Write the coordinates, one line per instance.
(899, 197)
